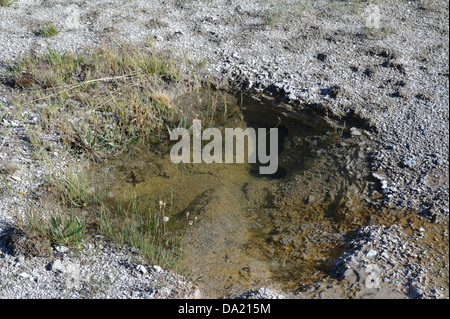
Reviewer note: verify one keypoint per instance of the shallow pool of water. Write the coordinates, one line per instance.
(250, 230)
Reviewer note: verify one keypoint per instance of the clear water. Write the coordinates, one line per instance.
(249, 230)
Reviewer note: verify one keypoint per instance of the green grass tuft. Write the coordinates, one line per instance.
(49, 31)
(152, 233)
(7, 3)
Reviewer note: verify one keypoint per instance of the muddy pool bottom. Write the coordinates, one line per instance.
(246, 230)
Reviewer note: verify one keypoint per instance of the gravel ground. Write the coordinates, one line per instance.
(388, 77)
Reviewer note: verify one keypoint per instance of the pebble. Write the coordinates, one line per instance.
(291, 96)
(57, 265)
(16, 178)
(371, 253)
(157, 268)
(142, 269)
(24, 275)
(354, 131)
(410, 163)
(62, 249)
(20, 259)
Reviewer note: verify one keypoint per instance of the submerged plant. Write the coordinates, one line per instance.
(148, 231)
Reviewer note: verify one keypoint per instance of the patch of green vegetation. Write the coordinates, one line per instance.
(91, 107)
(6, 3)
(49, 31)
(202, 63)
(105, 101)
(42, 226)
(152, 233)
(273, 17)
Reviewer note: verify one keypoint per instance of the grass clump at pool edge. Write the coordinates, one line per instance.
(93, 106)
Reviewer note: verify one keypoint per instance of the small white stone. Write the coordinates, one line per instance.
(355, 131)
(142, 269)
(62, 249)
(291, 96)
(57, 265)
(157, 268)
(371, 253)
(16, 178)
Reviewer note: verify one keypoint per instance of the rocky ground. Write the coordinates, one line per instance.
(382, 68)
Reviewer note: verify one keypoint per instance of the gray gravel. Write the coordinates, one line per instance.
(392, 83)
(100, 272)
